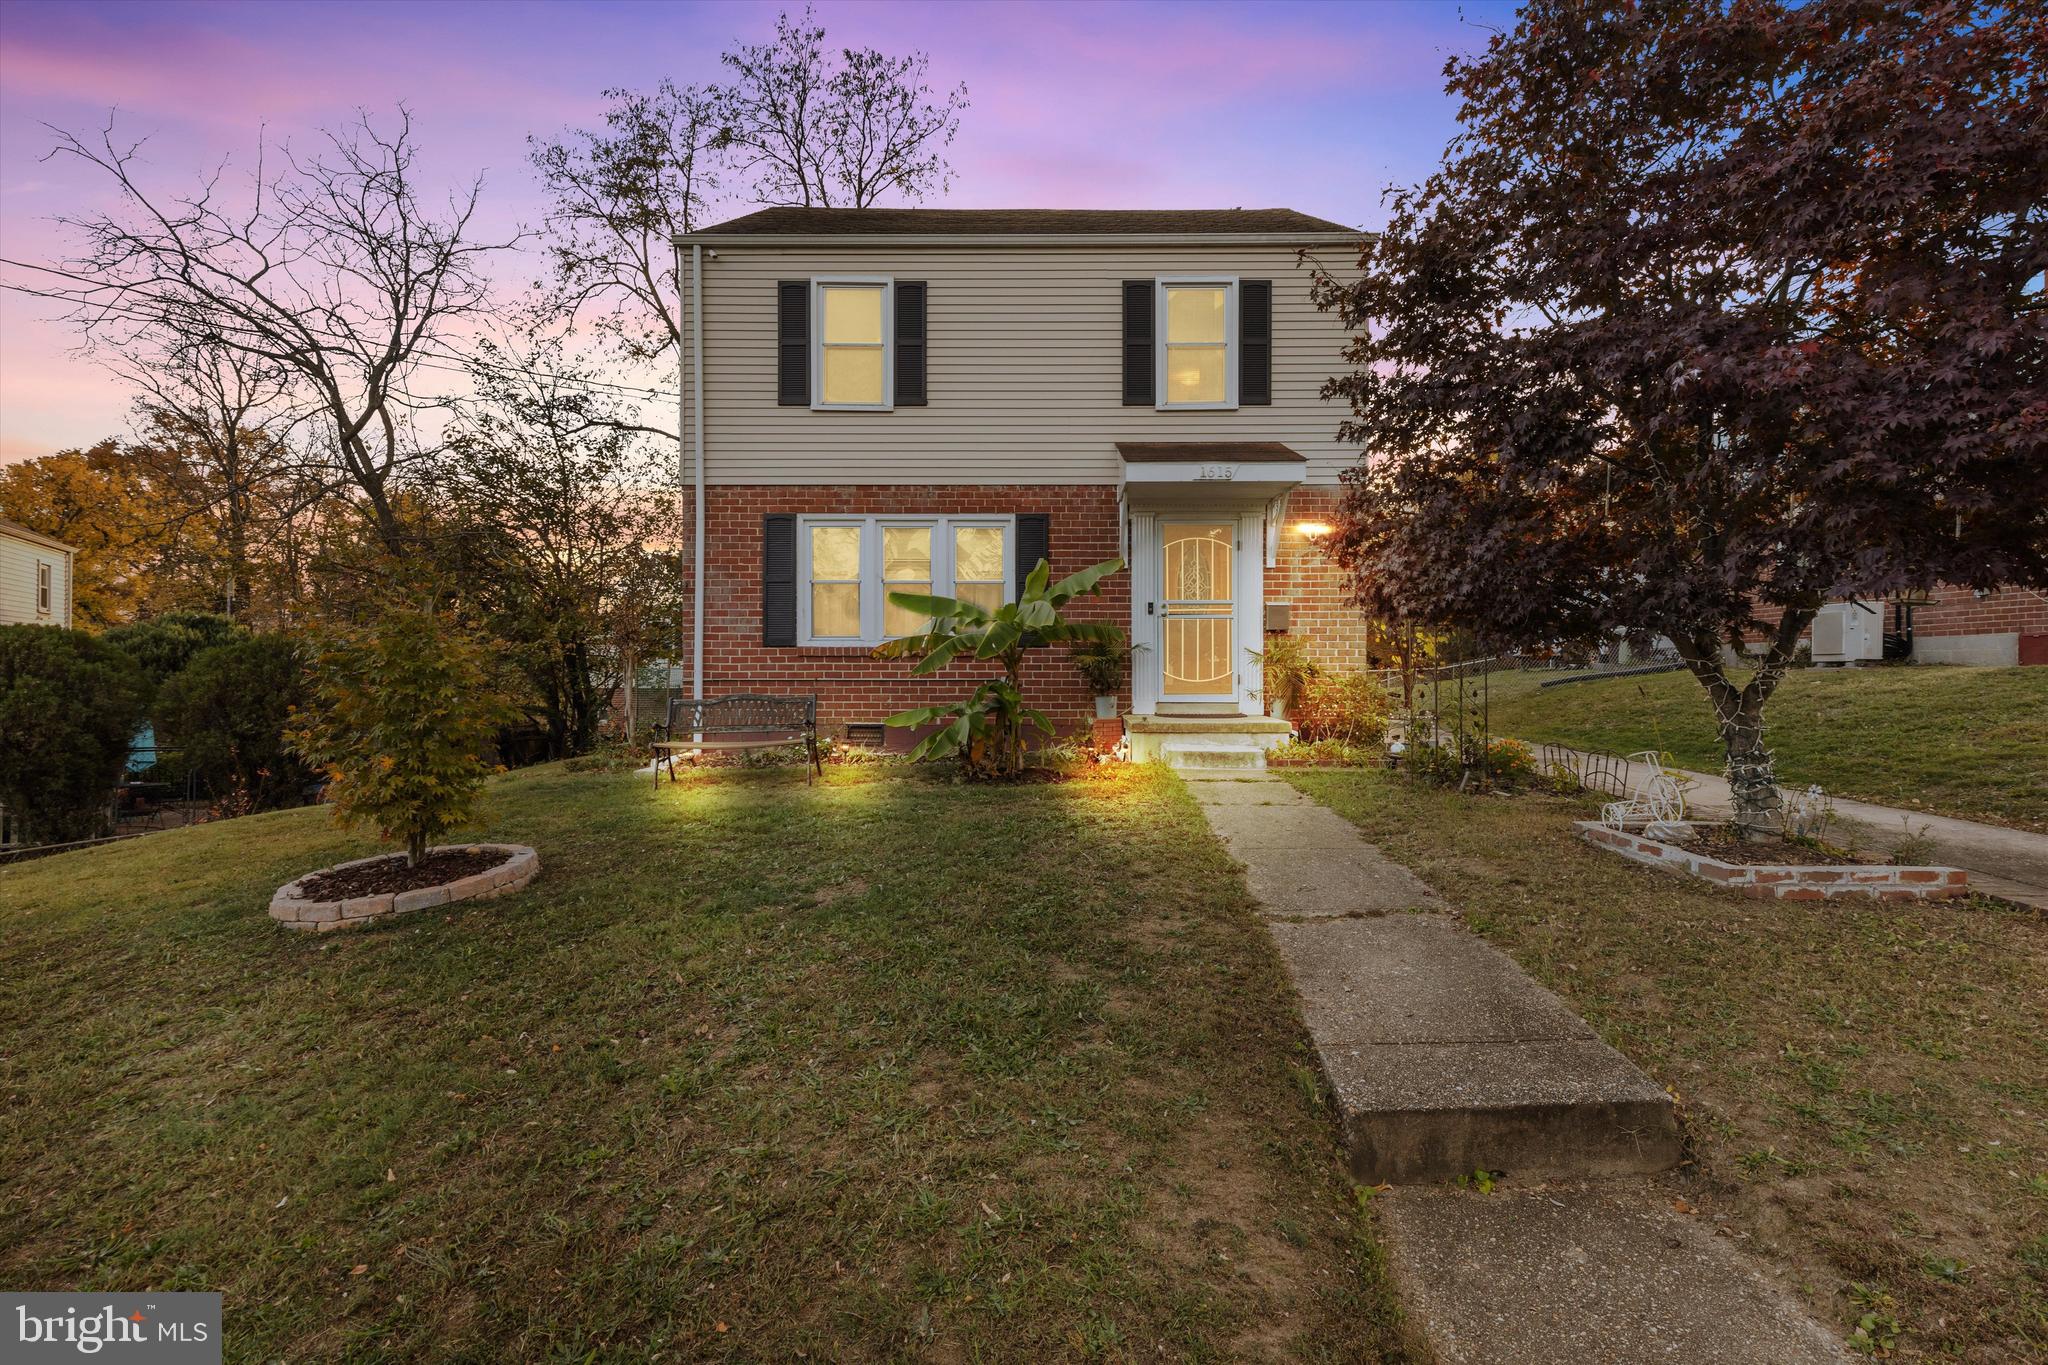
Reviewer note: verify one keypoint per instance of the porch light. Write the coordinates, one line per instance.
(1314, 530)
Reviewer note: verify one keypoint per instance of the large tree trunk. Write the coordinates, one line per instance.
(582, 700)
(1739, 714)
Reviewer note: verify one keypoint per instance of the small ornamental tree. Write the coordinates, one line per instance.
(987, 728)
(1716, 310)
(401, 712)
(69, 707)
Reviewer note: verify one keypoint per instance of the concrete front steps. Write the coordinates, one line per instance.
(1204, 743)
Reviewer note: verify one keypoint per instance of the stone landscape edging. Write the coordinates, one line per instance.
(1784, 881)
(292, 908)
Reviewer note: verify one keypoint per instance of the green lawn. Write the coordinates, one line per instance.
(1970, 742)
(1864, 1086)
(885, 1068)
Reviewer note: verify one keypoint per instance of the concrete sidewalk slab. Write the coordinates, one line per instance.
(1313, 827)
(1325, 883)
(1247, 791)
(1570, 1276)
(1445, 1058)
(1443, 1055)
(1416, 979)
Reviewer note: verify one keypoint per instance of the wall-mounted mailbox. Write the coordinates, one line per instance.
(1279, 615)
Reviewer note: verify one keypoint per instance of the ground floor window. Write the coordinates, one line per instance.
(850, 565)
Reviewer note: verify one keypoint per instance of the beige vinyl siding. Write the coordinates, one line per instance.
(18, 559)
(1025, 366)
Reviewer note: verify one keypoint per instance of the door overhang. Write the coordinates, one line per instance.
(1197, 475)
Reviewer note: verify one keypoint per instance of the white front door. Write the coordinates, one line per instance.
(1198, 572)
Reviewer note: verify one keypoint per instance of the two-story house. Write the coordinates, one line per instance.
(930, 400)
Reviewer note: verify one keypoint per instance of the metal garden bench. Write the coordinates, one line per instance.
(740, 722)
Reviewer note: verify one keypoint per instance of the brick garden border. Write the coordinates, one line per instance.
(294, 910)
(1766, 881)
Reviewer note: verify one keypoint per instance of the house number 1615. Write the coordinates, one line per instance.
(1221, 473)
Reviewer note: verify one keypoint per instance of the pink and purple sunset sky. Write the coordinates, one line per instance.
(1314, 106)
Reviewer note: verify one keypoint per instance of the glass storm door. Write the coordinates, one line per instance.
(1197, 655)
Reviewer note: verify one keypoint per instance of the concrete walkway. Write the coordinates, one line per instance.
(2009, 863)
(1445, 1058)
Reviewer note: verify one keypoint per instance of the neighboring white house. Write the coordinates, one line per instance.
(35, 577)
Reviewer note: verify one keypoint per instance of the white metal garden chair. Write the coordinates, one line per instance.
(1655, 800)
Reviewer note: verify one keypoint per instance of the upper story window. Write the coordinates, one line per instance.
(853, 342)
(1197, 342)
(45, 596)
(848, 566)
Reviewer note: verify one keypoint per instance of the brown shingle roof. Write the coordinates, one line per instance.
(788, 222)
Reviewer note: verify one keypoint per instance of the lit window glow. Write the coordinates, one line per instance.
(1196, 345)
(852, 346)
(851, 565)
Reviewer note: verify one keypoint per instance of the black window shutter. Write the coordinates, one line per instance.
(1140, 367)
(910, 343)
(1255, 342)
(1034, 542)
(778, 580)
(793, 343)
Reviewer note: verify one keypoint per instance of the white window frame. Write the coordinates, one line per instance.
(1230, 340)
(887, 285)
(46, 588)
(871, 589)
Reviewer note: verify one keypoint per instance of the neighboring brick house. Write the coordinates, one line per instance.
(932, 399)
(1958, 626)
(2004, 626)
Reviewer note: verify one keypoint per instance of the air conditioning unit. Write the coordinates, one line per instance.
(1847, 633)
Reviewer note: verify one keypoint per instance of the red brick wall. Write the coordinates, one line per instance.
(1959, 611)
(1322, 611)
(850, 685)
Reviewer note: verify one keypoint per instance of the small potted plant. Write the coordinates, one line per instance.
(1102, 663)
(1288, 670)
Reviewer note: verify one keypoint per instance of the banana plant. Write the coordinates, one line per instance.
(987, 728)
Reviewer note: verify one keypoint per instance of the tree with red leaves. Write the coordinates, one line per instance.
(1713, 312)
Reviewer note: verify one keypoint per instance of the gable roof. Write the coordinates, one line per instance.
(20, 532)
(1151, 223)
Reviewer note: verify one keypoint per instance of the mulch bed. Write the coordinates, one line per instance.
(1766, 851)
(389, 875)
